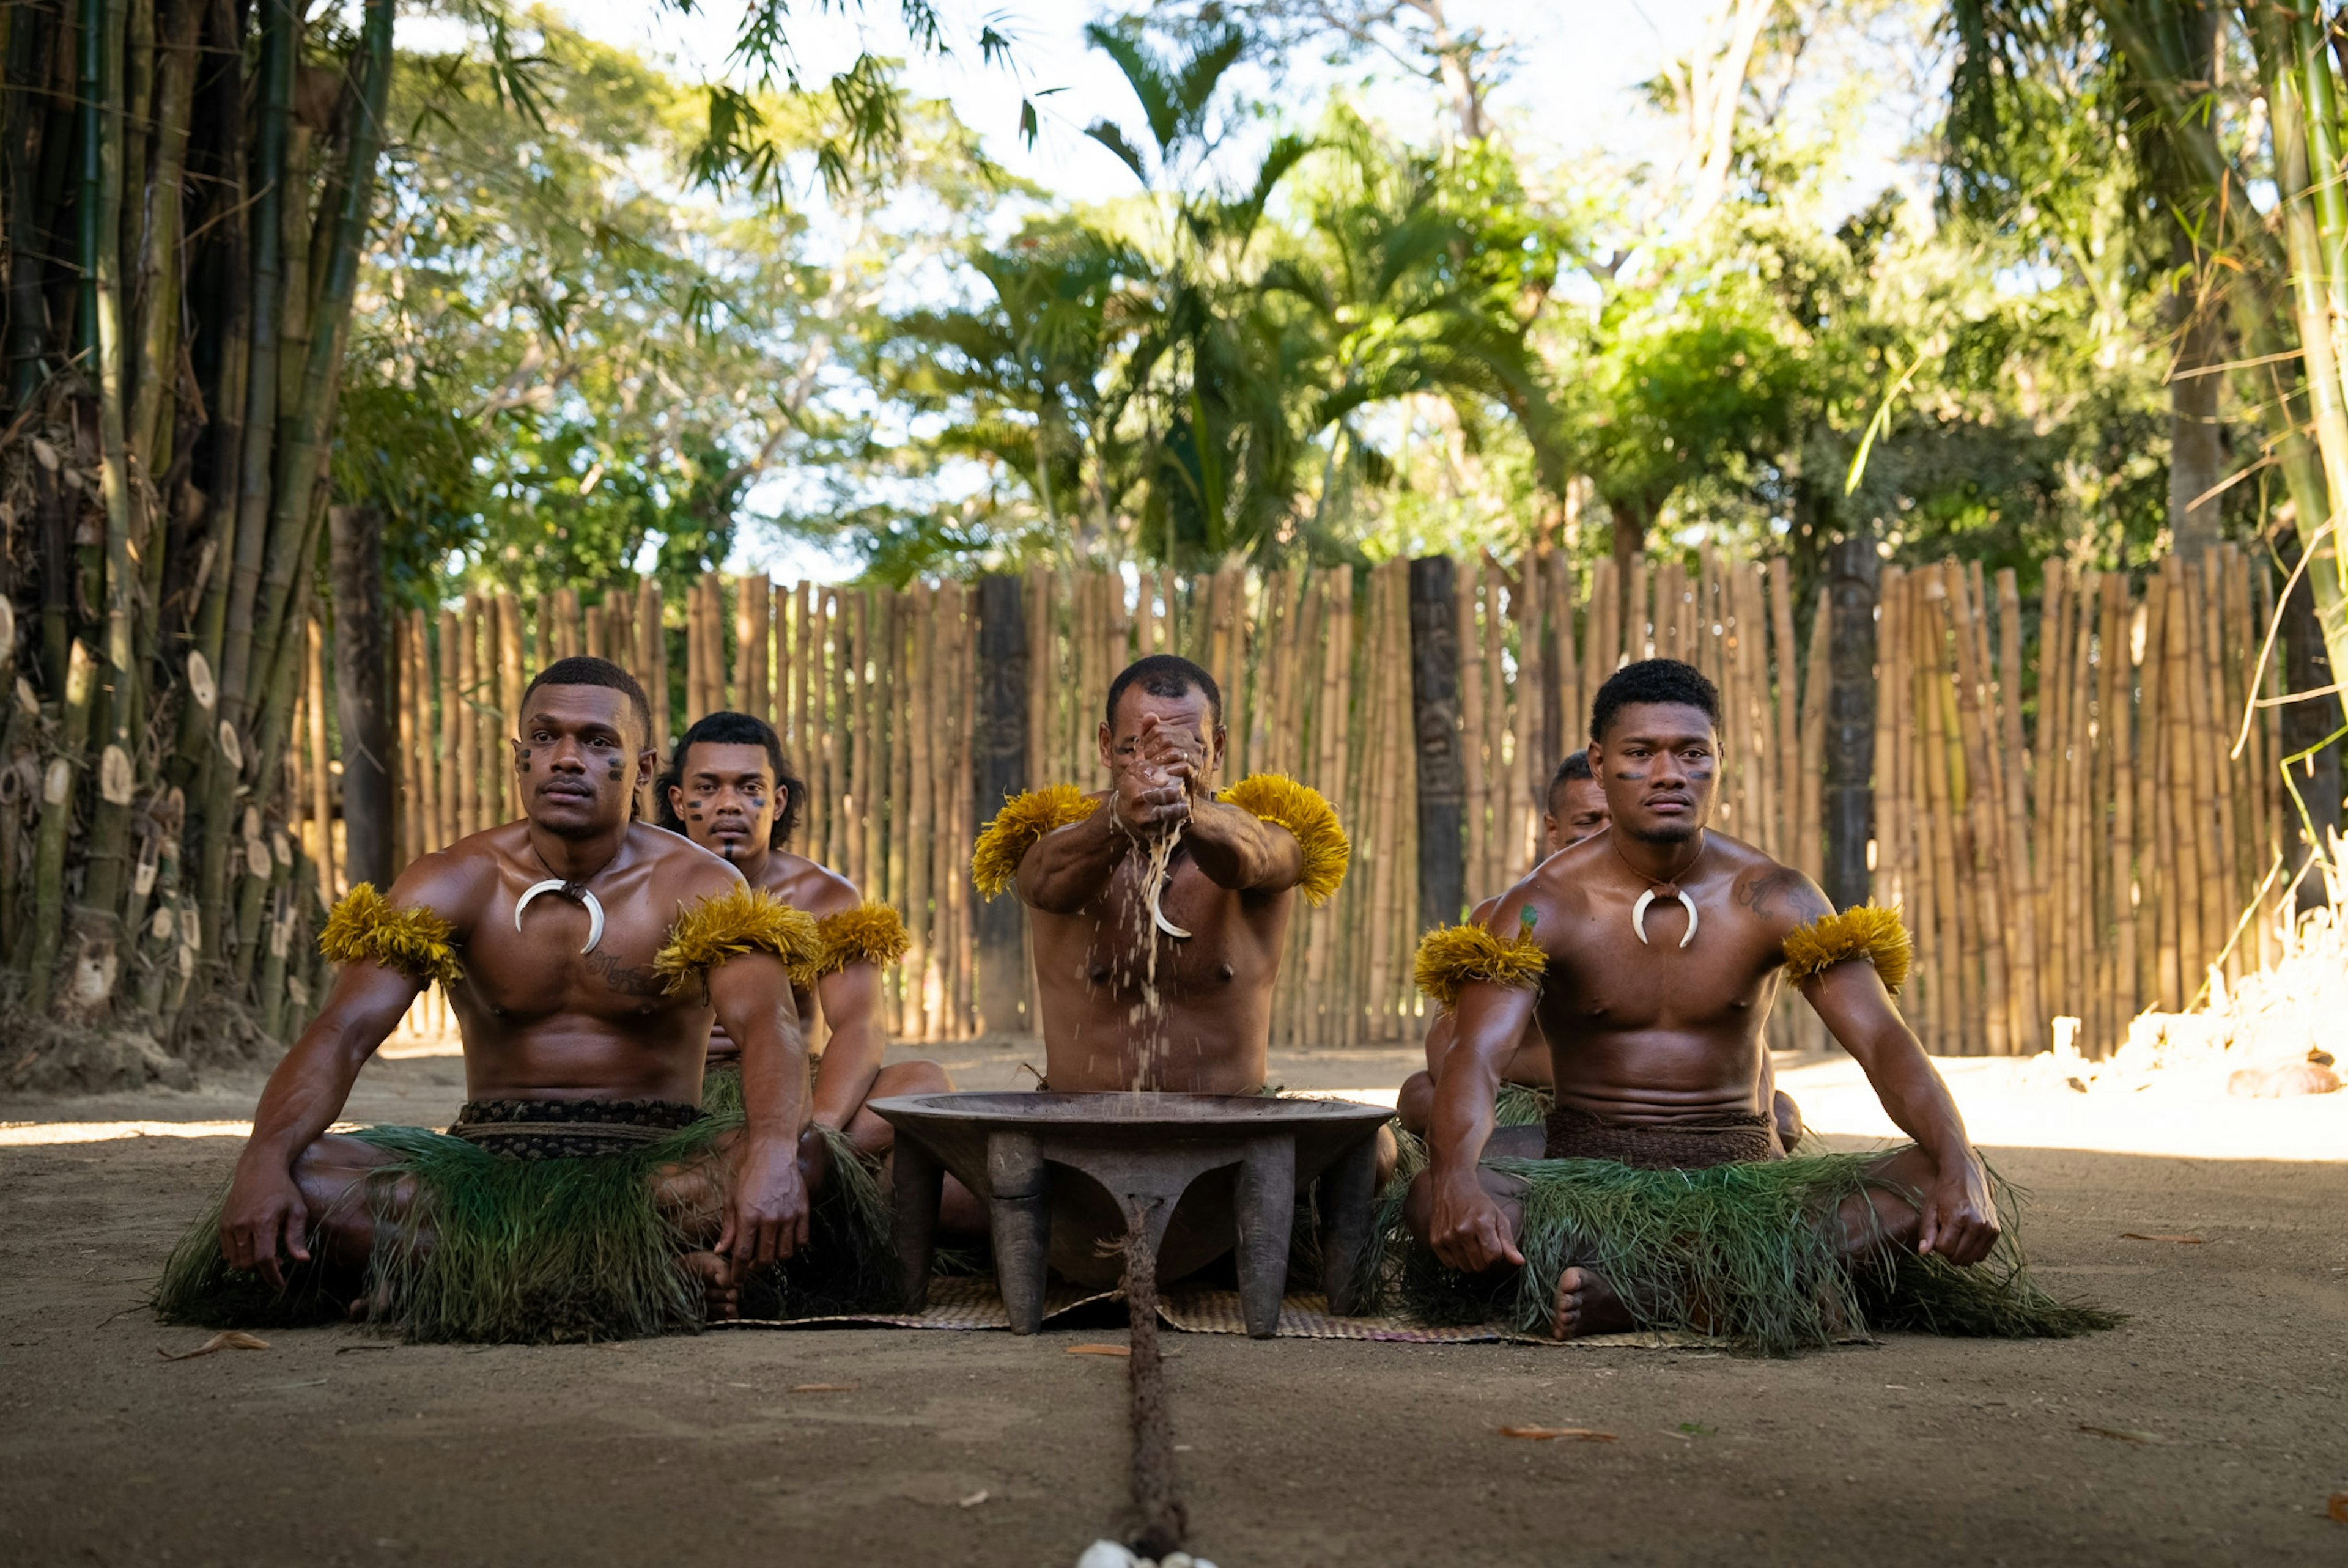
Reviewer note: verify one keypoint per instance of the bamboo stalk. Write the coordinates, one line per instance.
(1815, 687)
(322, 811)
(2181, 689)
(1979, 831)
(1566, 678)
(451, 675)
(2029, 1020)
(1892, 884)
(651, 652)
(2111, 1022)
(427, 689)
(1940, 846)
(2221, 855)
(1532, 762)
(1634, 625)
(864, 811)
(750, 656)
(2161, 818)
(509, 689)
(921, 813)
(954, 845)
(839, 819)
(48, 919)
(1505, 845)
(905, 683)
(2078, 926)
(2048, 780)
(2125, 958)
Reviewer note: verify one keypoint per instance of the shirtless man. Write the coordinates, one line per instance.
(575, 1037)
(1577, 809)
(731, 793)
(1660, 1060)
(1177, 996)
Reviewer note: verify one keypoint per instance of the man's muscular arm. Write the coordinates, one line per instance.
(1068, 868)
(1466, 1229)
(263, 1217)
(852, 1053)
(1959, 1219)
(1240, 851)
(766, 1209)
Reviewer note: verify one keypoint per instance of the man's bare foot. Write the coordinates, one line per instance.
(1586, 1305)
(721, 1287)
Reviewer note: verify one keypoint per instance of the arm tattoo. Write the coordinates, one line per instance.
(1784, 891)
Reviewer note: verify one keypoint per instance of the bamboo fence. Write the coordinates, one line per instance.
(2060, 810)
(874, 693)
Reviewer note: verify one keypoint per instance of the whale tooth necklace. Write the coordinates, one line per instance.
(1669, 888)
(562, 888)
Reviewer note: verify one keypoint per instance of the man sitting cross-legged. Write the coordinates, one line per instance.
(1149, 982)
(581, 1192)
(1662, 1197)
(730, 791)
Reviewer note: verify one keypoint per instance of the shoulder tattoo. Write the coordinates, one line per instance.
(1783, 892)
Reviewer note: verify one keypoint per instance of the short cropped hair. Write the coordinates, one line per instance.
(1166, 675)
(584, 669)
(1575, 767)
(1652, 680)
(725, 728)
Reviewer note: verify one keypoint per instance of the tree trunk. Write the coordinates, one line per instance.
(1631, 521)
(362, 698)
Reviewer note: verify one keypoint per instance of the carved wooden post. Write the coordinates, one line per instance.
(1002, 772)
(1851, 720)
(1435, 723)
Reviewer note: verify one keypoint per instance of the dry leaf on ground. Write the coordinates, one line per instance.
(1099, 1351)
(2180, 1240)
(2338, 1507)
(1544, 1434)
(825, 1387)
(226, 1339)
(973, 1500)
(2123, 1434)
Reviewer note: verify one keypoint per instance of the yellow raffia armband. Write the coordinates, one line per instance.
(1451, 956)
(1277, 799)
(867, 934)
(365, 928)
(741, 920)
(1025, 818)
(1864, 931)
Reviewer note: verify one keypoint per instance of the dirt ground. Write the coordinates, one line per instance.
(2208, 1430)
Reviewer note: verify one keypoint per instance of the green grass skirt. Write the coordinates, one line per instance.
(1521, 1105)
(1749, 1252)
(504, 1251)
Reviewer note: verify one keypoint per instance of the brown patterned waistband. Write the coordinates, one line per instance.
(568, 1129)
(1727, 1137)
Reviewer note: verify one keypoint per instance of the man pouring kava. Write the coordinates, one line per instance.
(1158, 909)
(1659, 1197)
(582, 1193)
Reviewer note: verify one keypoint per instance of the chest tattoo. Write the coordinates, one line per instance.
(627, 981)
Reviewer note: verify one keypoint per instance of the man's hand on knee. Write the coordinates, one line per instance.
(1960, 1220)
(1467, 1229)
(766, 1210)
(264, 1215)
